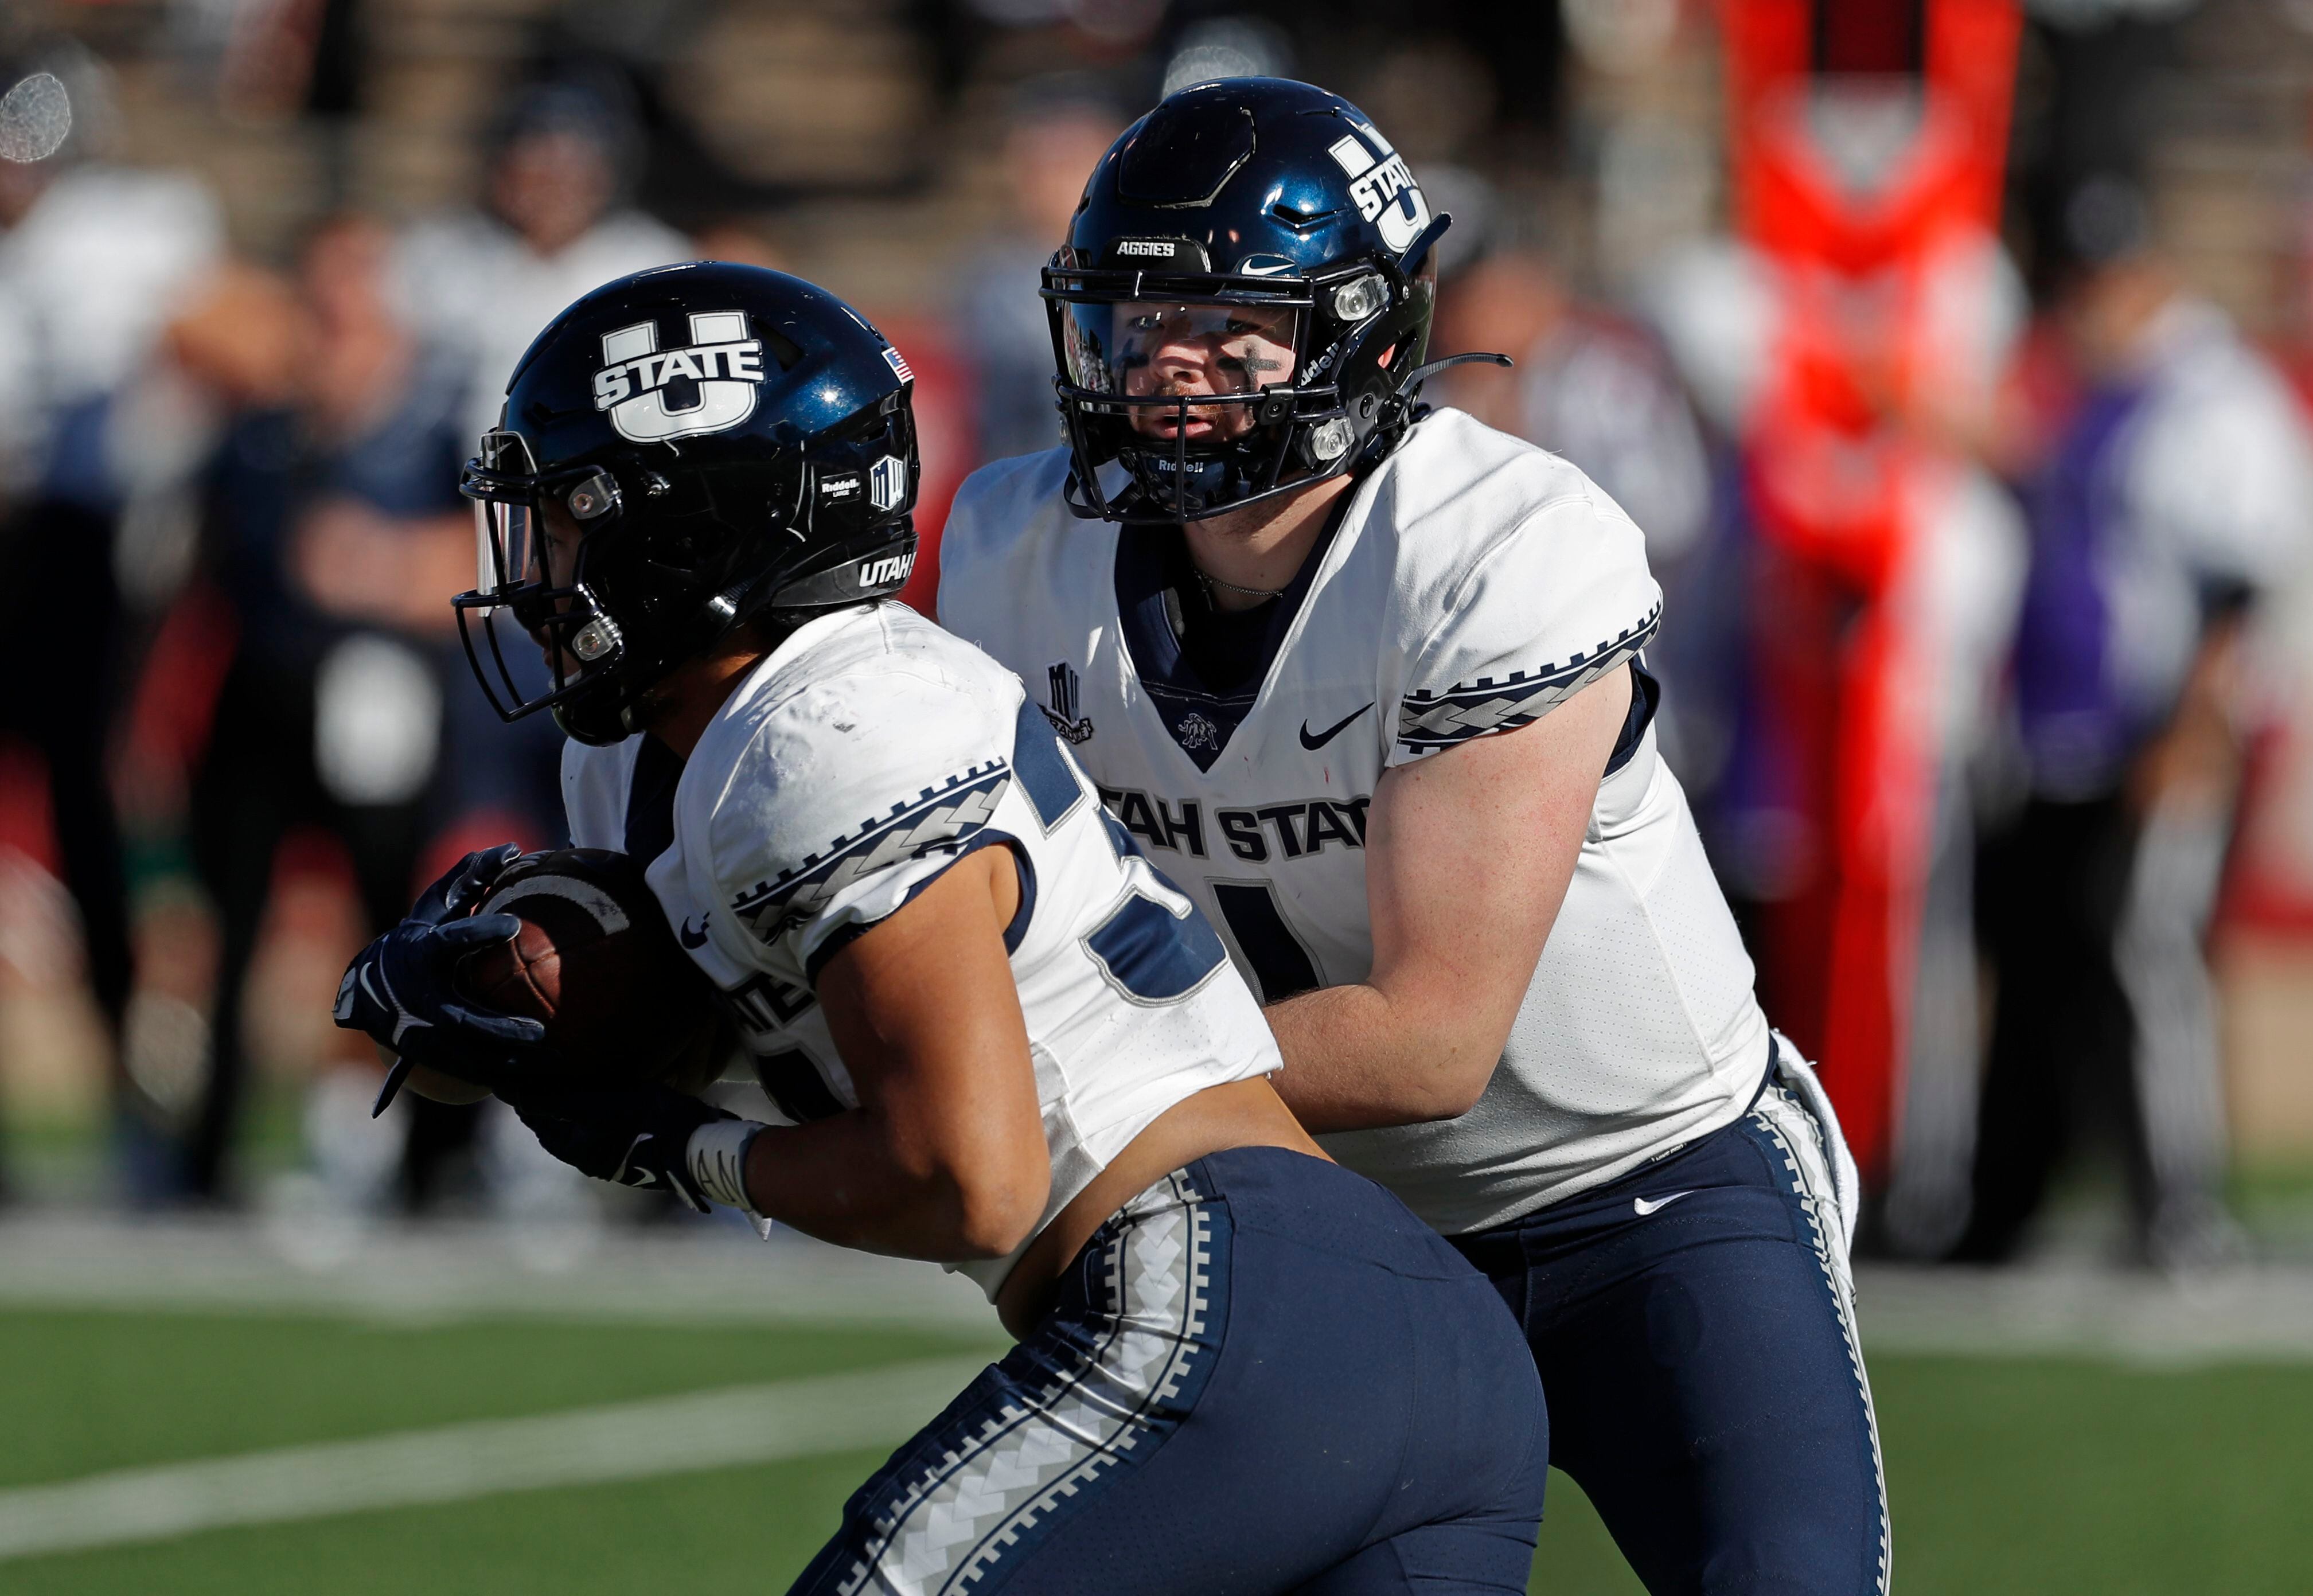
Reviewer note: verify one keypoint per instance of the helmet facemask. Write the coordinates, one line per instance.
(617, 574)
(531, 583)
(1216, 392)
(554, 546)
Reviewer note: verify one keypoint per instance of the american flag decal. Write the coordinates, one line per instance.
(898, 363)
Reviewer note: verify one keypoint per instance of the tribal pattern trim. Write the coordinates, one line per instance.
(1427, 722)
(939, 819)
(948, 1527)
(1808, 1174)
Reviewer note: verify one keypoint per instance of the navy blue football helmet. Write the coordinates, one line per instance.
(1243, 303)
(730, 445)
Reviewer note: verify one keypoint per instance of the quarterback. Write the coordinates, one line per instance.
(996, 1037)
(1368, 682)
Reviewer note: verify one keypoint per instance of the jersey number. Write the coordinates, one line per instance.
(1280, 963)
(1155, 947)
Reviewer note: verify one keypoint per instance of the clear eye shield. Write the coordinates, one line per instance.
(1147, 348)
(1208, 387)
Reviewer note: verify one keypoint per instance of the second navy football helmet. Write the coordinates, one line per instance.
(1243, 303)
(730, 444)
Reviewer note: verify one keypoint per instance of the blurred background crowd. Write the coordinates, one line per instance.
(1953, 357)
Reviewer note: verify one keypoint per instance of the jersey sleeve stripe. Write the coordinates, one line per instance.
(1429, 721)
(945, 818)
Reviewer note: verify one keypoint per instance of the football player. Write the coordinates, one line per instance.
(997, 1036)
(1368, 682)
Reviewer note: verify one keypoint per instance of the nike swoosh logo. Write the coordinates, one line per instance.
(402, 1021)
(684, 935)
(1320, 739)
(1646, 1208)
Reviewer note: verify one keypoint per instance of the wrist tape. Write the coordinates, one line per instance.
(717, 1157)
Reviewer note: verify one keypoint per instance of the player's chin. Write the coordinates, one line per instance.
(444, 1089)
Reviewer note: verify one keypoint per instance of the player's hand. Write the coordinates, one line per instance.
(401, 989)
(649, 1138)
(465, 884)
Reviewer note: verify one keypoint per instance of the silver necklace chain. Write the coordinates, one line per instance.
(1211, 582)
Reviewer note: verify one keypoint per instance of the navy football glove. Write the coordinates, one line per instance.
(647, 1137)
(401, 989)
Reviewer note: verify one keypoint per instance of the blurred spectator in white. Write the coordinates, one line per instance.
(555, 222)
(2180, 495)
(1588, 385)
(1596, 388)
(94, 258)
(1058, 131)
(336, 537)
(1228, 46)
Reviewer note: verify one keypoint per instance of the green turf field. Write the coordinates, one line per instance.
(2007, 1475)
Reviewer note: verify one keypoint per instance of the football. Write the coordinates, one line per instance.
(596, 962)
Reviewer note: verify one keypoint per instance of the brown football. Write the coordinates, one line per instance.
(596, 963)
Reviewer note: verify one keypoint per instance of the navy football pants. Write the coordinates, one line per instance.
(1692, 1322)
(1263, 1375)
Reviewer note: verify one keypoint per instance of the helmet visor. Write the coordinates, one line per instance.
(1157, 350)
(502, 482)
(506, 547)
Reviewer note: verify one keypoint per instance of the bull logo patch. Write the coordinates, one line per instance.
(707, 387)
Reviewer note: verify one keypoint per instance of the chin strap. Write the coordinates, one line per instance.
(1422, 373)
(1405, 407)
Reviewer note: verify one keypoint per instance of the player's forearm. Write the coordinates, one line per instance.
(1468, 855)
(1357, 1059)
(841, 1180)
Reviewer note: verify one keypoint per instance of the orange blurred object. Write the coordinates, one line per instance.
(1869, 141)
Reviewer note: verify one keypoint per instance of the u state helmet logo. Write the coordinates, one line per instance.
(1383, 186)
(722, 365)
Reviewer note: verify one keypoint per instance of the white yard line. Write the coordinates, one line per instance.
(706, 1274)
(447, 1272)
(752, 1424)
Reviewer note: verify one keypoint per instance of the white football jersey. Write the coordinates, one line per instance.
(867, 753)
(1473, 582)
